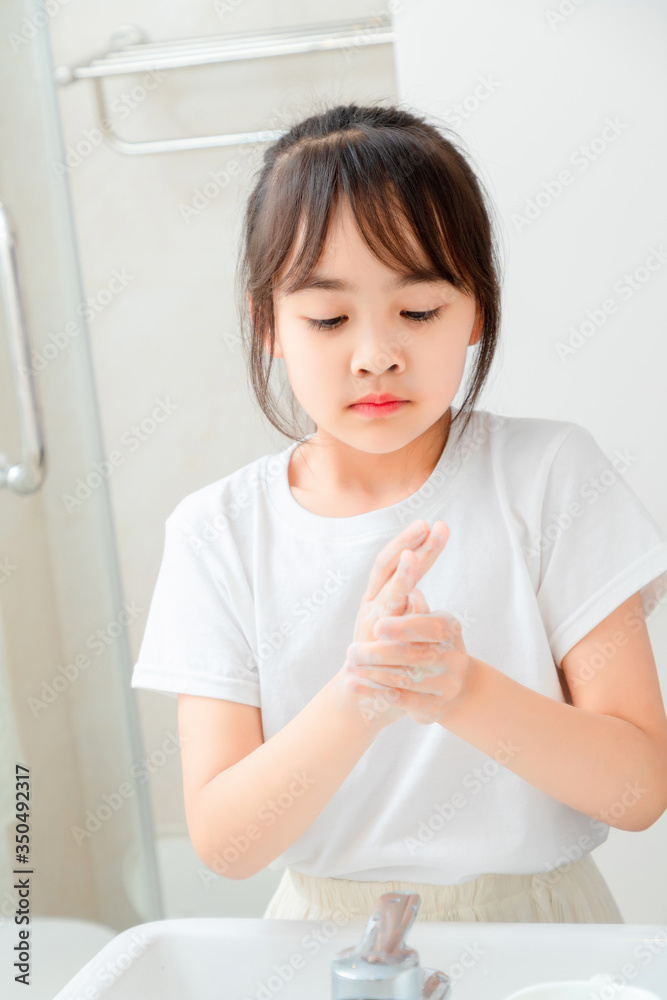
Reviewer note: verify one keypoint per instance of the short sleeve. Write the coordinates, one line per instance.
(193, 642)
(598, 543)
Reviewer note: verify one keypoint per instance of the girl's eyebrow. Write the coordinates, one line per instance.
(340, 285)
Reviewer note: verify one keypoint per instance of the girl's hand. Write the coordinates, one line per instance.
(430, 649)
(390, 592)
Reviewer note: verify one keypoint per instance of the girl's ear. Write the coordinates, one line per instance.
(277, 353)
(477, 328)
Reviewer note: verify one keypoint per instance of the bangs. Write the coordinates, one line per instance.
(399, 215)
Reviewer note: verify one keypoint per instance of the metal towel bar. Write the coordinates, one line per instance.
(25, 476)
(130, 52)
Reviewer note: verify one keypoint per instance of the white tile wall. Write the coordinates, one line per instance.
(169, 332)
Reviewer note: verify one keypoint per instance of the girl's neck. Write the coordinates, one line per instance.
(331, 479)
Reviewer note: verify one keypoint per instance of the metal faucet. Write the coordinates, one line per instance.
(382, 966)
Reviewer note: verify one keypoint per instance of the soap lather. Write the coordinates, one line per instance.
(381, 966)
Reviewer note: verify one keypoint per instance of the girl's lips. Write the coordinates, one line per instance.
(378, 409)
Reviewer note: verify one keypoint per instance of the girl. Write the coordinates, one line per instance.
(331, 723)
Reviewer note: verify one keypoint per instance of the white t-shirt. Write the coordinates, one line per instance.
(256, 599)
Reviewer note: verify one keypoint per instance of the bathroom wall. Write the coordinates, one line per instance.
(58, 584)
(158, 270)
(561, 107)
(158, 265)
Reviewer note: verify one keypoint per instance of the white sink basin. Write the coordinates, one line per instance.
(236, 958)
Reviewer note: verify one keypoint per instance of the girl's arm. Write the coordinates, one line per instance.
(606, 754)
(252, 810)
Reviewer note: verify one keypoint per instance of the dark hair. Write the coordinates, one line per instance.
(393, 167)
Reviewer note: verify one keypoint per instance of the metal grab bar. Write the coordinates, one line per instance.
(140, 56)
(27, 475)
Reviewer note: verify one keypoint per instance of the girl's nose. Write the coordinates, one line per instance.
(375, 357)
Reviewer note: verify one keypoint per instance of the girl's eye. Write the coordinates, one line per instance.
(422, 317)
(324, 324)
(416, 317)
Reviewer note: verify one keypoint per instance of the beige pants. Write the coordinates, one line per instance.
(576, 893)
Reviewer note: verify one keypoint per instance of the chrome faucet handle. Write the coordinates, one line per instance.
(435, 985)
(397, 911)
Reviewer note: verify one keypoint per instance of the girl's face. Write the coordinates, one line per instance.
(374, 341)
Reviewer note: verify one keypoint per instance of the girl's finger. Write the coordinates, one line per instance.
(394, 592)
(429, 626)
(426, 553)
(397, 654)
(399, 679)
(417, 603)
(412, 537)
(394, 595)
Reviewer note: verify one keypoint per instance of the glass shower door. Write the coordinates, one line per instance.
(68, 722)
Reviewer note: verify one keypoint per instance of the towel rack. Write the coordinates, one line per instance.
(25, 476)
(130, 52)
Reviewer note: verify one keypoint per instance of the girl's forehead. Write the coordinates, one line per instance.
(343, 230)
